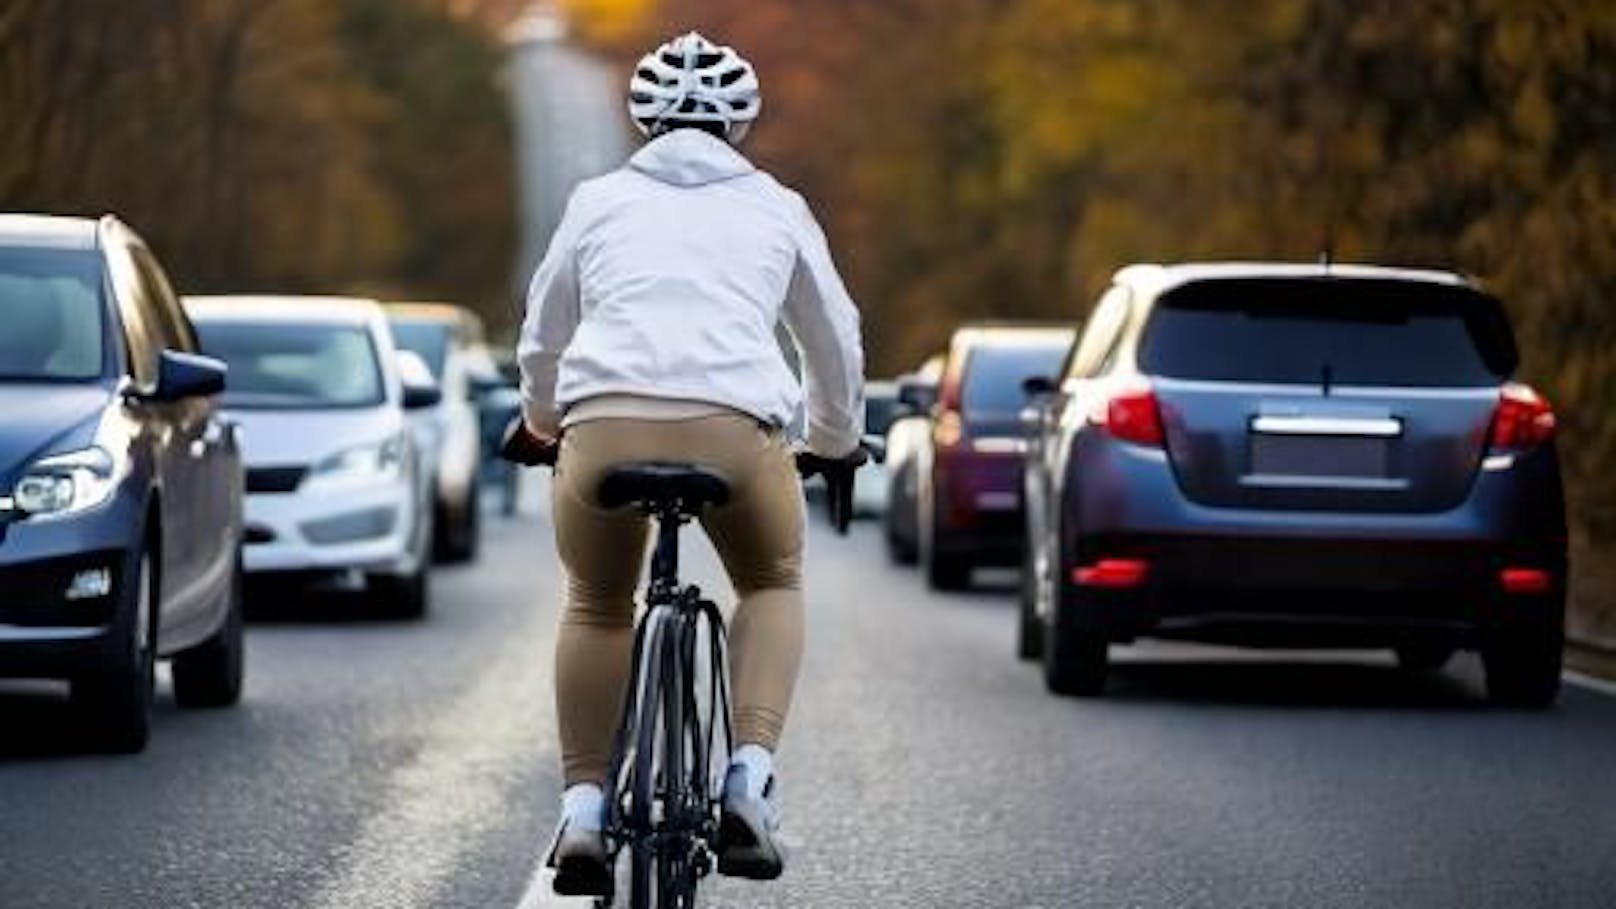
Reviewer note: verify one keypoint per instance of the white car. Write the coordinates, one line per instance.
(336, 488)
(450, 341)
(872, 485)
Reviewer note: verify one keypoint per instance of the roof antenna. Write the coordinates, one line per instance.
(1326, 257)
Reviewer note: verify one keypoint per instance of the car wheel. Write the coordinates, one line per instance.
(210, 674)
(1423, 658)
(1030, 628)
(900, 548)
(116, 702)
(407, 596)
(1523, 670)
(945, 571)
(459, 540)
(1076, 660)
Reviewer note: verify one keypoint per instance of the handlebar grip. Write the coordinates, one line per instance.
(838, 474)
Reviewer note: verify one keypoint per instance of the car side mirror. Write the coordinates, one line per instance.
(421, 390)
(1039, 386)
(185, 375)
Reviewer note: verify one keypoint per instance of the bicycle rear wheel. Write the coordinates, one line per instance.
(642, 784)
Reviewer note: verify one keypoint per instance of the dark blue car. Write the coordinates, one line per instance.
(1296, 456)
(120, 487)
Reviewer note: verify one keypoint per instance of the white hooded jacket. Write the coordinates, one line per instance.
(667, 278)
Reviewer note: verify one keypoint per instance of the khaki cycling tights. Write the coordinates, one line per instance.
(758, 534)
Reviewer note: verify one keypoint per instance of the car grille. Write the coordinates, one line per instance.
(275, 479)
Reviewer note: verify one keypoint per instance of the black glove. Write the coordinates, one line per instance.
(838, 474)
(519, 446)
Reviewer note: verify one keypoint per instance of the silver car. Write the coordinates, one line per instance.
(336, 485)
(450, 341)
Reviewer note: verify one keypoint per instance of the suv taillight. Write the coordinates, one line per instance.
(1131, 415)
(1523, 419)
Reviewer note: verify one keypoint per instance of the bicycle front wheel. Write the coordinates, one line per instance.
(668, 798)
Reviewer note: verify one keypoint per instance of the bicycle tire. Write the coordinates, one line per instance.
(642, 780)
(674, 885)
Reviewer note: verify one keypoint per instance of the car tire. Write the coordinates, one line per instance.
(116, 702)
(1029, 627)
(1423, 658)
(405, 596)
(946, 572)
(461, 539)
(1076, 660)
(902, 550)
(210, 674)
(1523, 669)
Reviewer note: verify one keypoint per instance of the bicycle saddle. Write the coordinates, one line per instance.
(662, 483)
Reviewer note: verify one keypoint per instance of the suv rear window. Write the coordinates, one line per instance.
(1333, 331)
(994, 373)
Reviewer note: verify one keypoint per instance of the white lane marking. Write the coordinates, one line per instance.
(1590, 683)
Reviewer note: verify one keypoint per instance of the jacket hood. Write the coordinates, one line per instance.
(690, 157)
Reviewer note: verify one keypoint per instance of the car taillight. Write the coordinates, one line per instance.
(1131, 415)
(1523, 419)
(1525, 580)
(949, 429)
(1112, 574)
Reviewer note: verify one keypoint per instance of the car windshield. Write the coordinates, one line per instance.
(52, 310)
(428, 339)
(1388, 333)
(291, 365)
(995, 371)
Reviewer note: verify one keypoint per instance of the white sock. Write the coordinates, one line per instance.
(759, 764)
(584, 806)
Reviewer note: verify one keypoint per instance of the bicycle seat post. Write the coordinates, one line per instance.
(665, 557)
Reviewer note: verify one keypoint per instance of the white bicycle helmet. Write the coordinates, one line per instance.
(691, 80)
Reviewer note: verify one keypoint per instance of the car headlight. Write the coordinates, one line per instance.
(67, 483)
(361, 463)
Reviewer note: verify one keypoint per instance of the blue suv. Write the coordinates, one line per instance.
(1296, 456)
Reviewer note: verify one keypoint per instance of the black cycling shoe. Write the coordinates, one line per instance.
(579, 860)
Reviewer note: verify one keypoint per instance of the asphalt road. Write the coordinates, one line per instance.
(385, 764)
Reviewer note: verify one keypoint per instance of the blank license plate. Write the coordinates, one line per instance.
(1358, 457)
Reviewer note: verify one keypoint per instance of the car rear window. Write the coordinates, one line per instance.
(52, 308)
(294, 366)
(1329, 331)
(994, 372)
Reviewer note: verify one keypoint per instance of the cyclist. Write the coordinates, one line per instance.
(650, 335)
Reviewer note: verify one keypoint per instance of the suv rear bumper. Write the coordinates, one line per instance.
(1337, 593)
(1310, 578)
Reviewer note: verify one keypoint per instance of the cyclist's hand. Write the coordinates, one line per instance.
(838, 474)
(520, 446)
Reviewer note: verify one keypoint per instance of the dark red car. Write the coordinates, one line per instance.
(970, 476)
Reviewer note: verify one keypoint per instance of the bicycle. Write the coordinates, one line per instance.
(664, 807)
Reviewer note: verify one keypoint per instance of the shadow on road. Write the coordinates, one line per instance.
(1288, 683)
(39, 722)
(289, 604)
